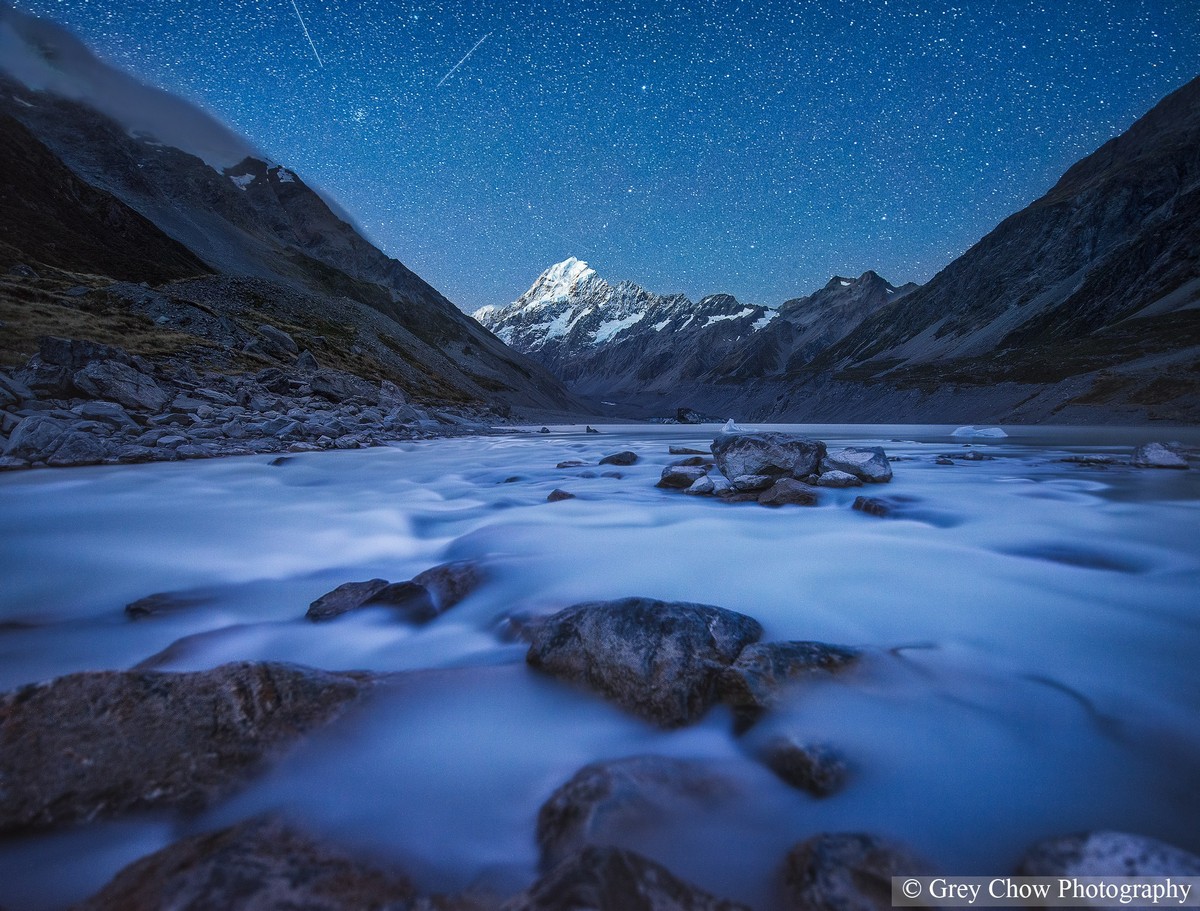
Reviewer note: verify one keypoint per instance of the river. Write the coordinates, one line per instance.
(1032, 629)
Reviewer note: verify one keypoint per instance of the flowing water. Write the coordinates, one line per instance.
(1032, 629)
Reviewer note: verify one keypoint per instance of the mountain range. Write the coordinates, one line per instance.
(1082, 307)
(622, 341)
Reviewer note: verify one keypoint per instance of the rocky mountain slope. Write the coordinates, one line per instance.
(621, 340)
(1086, 301)
(272, 249)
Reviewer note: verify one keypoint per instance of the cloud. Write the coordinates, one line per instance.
(46, 57)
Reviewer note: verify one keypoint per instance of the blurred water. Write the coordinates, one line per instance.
(1051, 612)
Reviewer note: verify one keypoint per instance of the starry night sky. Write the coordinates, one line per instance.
(749, 147)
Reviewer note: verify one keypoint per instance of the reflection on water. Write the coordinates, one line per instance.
(1054, 606)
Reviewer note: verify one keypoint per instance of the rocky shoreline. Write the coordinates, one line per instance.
(78, 402)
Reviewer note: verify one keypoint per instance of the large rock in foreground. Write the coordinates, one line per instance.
(260, 865)
(605, 800)
(609, 879)
(1107, 854)
(767, 453)
(846, 872)
(658, 659)
(95, 745)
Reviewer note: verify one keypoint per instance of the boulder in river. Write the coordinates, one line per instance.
(836, 478)
(557, 495)
(610, 879)
(767, 453)
(867, 463)
(346, 597)
(788, 492)
(262, 864)
(680, 477)
(752, 682)
(1157, 455)
(100, 744)
(1107, 854)
(816, 768)
(846, 872)
(606, 800)
(625, 457)
(660, 660)
(418, 600)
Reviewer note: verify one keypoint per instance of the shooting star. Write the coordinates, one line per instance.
(307, 35)
(464, 60)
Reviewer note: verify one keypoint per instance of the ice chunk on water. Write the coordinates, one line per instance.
(972, 431)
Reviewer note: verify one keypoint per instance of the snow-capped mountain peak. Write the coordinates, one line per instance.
(556, 284)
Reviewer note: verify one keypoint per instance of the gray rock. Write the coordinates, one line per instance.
(391, 395)
(274, 380)
(106, 412)
(432, 592)
(117, 382)
(262, 864)
(660, 660)
(752, 481)
(36, 437)
(604, 802)
(789, 492)
(626, 457)
(1107, 854)
(544, 430)
(767, 453)
(557, 496)
(21, 270)
(15, 389)
(816, 768)
(278, 340)
(702, 487)
(94, 745)
(162, 603)
(339, 386)
(875, 506)
(571, 463)
(681, 477)
(12, 463)
(609, 879)
(846, 872)
(684, 450)
(837, 478)
(693, 462)
(306, 363)
(1157, 455)
(868, 463)
(345, 597)
(78, 447)
(751, 684)
(943, 460)
(75, 353)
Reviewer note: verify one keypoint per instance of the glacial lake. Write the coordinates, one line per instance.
(1032, 629)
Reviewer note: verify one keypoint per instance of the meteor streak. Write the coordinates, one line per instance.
(464, 60)
(306, 34)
